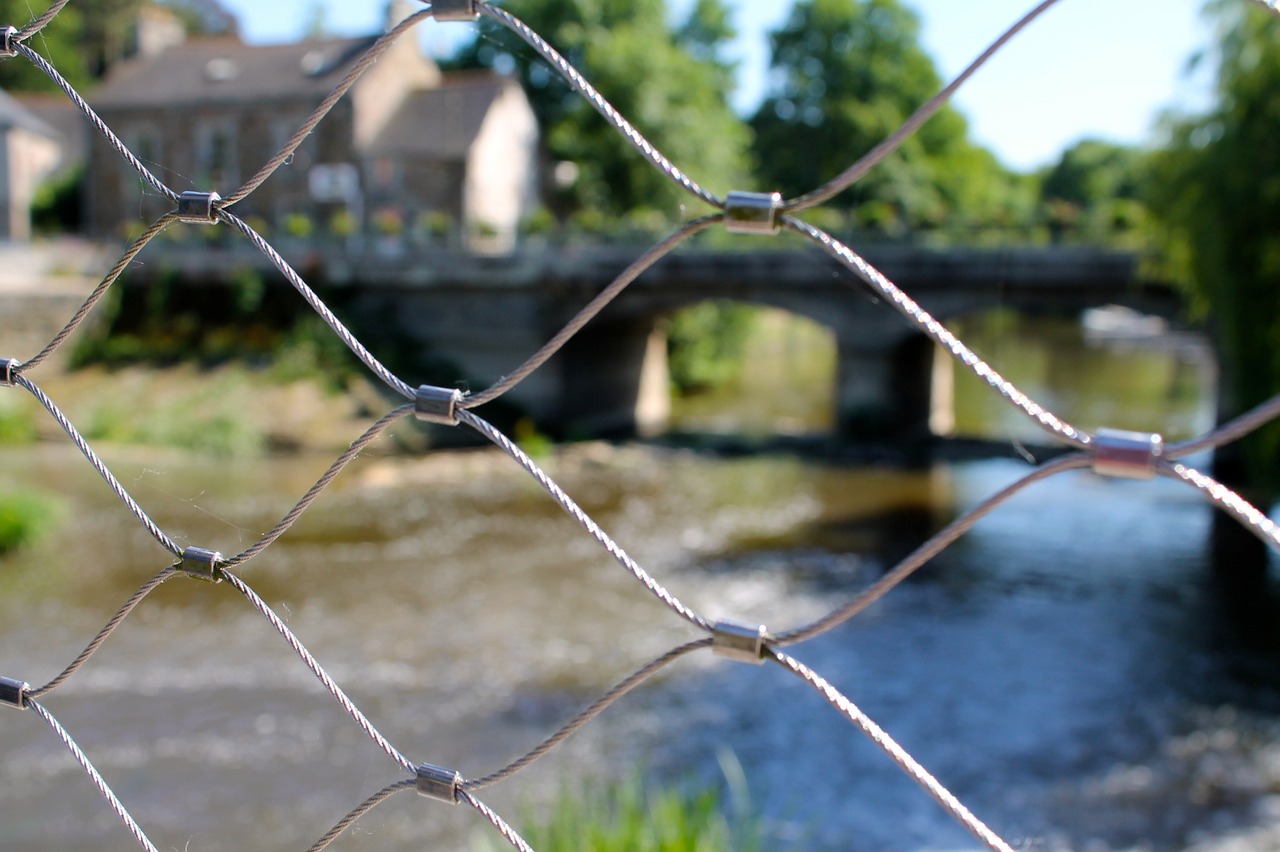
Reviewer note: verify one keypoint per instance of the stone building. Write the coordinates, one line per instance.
(30, 150)
(407, 149)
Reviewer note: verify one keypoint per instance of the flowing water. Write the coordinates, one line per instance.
(1071, 668)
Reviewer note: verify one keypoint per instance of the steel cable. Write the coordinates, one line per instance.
(913, 123)
(1164, 465)
(575, 511)
(896, 753)
(318, 670)
(597, 707)
(321, 484)
(98, 465)
(598, 101)
(924, 321)
(359, 811)
(98, 780)
(110, 627)
(592, 309)
(98, 292)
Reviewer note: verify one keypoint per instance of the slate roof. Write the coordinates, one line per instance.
(225, 70)
(443, 121)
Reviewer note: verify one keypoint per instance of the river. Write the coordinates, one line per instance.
(1070, 668)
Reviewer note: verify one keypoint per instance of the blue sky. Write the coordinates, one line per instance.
(1086, 68)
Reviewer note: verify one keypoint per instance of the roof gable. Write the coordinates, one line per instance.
(14, 114)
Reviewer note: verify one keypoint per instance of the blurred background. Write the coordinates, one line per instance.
(1092, 667)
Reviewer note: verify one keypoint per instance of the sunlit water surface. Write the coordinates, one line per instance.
(1071, 668)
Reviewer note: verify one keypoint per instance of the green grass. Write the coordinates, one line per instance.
(215, 419)
(633, 815)
(17, 422)
(25, 518)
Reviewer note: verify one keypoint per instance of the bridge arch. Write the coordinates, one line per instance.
(616, 369)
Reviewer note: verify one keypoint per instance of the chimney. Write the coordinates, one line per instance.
(156, 30)
(398, 10)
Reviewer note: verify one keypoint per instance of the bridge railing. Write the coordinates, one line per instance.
(1107, 453)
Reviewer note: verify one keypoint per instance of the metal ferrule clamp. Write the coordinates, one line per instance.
(7, 366)
(10, 45)
(1126, 455)
(437, 783)
(197, 208)
(739, 641)
(454, 10)
(201, 564)
(437, 405)
(14, 692)
(752, 212)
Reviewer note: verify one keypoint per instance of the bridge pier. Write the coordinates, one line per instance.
(614, 380)
(884, 386)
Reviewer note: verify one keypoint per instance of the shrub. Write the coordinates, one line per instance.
(25, 518)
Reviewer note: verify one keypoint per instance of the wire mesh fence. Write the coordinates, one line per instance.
(1107, 453)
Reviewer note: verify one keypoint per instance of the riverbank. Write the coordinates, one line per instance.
(229, 410)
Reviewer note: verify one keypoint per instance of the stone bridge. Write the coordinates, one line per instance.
(487, 314)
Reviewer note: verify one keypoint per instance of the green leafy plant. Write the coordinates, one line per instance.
(298, 226)
(705, 344)
(17, 425)
(343, 223)
(632, 815)
(25, 518)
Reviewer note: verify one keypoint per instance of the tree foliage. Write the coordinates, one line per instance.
(1216, 191)
(87, 37)
(670, 82)
(846, 74)
(1095, 193)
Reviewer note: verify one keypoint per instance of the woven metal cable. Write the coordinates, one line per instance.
(321, 484)
(98, 465)
(931, 548)
(592, 309)
(295, 141)
(913, 123)
(98, 780)
(921, 318)
(897, 753)
(42, 21)
(101, 126)
(98, 292)
(604, 702)
(358, 811)
(598, 101)
(103, 634)
(317, 304)
(1103, 454)
(575, 511)
(1229, 432)
(318, 670)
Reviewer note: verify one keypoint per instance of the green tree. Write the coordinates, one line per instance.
(1094, 193)
(59, 42)
(669, 82)
(87, 37)
(1215, 189)
(846, 74)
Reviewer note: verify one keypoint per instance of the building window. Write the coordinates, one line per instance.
(388, 174)
(144, 142)
(145, 145)
(216, 157)
(282, 130)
